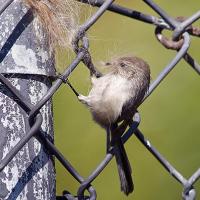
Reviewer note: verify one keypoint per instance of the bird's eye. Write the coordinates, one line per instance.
(122, 64)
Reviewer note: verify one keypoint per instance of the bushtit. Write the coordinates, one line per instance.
(114, 97)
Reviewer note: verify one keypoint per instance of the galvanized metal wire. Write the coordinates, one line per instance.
(182, 31)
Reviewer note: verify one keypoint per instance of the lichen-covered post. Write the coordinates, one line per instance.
(25, 59)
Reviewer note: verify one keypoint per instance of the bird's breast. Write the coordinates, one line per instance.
(108, 96)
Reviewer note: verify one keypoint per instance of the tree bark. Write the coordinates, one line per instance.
(28, 62)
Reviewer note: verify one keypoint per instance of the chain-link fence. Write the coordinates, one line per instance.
(182, 30)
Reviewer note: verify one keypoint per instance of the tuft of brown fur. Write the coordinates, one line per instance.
(59, 18)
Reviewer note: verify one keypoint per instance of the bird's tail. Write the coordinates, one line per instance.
(124, 168)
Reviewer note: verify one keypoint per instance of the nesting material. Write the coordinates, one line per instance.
(59, 18)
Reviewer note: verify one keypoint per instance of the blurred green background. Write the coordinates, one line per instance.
(170, 116)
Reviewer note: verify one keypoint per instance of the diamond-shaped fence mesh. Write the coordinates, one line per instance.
(182, 29)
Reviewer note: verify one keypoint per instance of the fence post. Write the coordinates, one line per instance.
(25, 59)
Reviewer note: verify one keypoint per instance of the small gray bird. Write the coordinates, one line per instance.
(114, 97)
